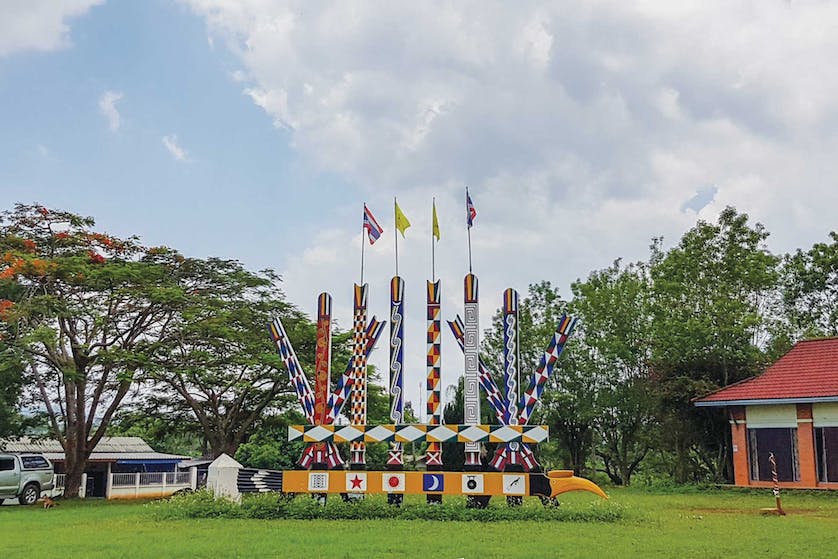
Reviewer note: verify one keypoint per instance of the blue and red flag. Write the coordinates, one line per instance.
(374, 230)
(471, 213)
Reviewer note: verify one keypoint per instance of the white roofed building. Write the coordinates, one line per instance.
(118, 468)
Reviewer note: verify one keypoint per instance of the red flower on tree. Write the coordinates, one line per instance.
(29, 245)
(5, 307)
(43, 211)
(95, 257)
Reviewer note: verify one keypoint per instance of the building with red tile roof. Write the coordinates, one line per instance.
(790, 411)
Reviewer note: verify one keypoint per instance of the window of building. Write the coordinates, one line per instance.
(782, 441)
(826, 447)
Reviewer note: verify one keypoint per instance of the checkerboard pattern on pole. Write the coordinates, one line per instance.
(358, 413)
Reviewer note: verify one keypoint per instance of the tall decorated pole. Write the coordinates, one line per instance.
(471, 346)
(434, 382)
(358, 395)
(511, 354)
(322, 372)
(360, 339)
(395, 456)
(433, 458)
(511, 364)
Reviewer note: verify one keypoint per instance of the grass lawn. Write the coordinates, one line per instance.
(709, 524)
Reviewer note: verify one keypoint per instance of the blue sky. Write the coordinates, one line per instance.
(240, 180)
(256, 129)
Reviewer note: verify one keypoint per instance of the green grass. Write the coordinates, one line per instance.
(707, 524)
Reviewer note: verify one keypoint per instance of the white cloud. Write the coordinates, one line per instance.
(39, 25)
(107, 106)
(172, 146)
(582, 132)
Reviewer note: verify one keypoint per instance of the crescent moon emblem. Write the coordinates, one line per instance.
(435, 483)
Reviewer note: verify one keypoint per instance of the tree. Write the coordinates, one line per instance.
(86, 308)
(217, 361)
(810, 290)
(11, 384)
(614, 342)
(709, 296)
(11, 369)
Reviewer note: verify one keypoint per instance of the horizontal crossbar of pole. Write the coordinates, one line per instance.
(417, 433)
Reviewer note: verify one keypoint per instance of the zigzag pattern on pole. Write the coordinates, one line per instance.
(545, 366)
(295, 371)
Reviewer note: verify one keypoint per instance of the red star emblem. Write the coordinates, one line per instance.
(356, 482)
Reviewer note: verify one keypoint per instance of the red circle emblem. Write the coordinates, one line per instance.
(393, 481)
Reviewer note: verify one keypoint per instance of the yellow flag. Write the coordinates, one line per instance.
(401, 220)
(436, 223)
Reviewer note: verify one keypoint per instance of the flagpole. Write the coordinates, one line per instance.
(433, 247)
(362, 245)
(468, 226)
(395, 233)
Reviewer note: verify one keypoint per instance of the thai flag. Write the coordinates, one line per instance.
(374, 230)
(470, 211)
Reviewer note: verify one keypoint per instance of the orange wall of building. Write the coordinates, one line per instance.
(806, 446)
(805, 451)
(738, 431)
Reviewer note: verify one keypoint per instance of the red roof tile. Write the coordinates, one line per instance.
(808, 370)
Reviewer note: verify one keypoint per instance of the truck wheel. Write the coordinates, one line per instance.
(30, 494)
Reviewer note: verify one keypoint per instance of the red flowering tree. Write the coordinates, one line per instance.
(85, 310)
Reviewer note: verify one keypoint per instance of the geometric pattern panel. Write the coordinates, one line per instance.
(552, 483)
(417, 433)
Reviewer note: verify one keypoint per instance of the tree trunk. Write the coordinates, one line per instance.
(76, 461)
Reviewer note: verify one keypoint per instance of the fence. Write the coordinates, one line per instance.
(136, 485)
(149, 478)
(58, 485)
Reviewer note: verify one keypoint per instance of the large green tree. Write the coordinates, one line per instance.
(709, 300)
(86, 308)
(810, 289)
(217, 361)
(614, 345)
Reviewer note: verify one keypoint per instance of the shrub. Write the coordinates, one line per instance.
(202, 504)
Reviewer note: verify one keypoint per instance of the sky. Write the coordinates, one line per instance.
(257, 129)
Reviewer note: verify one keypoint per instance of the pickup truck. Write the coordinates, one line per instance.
(25, 476)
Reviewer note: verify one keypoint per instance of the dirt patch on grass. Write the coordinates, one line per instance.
(758, 512)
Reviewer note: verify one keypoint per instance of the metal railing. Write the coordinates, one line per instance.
(151, 478)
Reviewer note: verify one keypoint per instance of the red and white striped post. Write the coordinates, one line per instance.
(776, 489)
